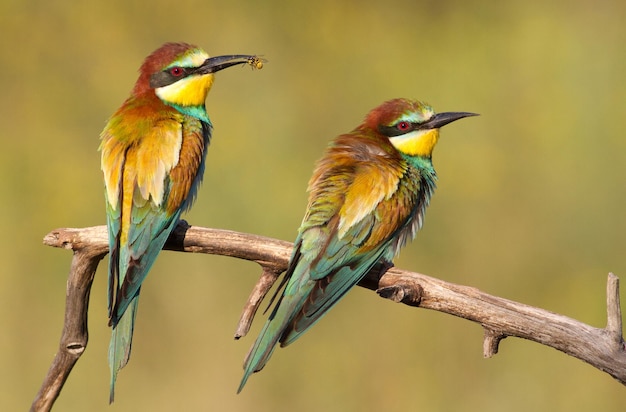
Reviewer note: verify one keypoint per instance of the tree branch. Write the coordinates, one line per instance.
(602, 348)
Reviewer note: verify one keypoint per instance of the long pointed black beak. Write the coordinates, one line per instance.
(217, 63)
(442, 119)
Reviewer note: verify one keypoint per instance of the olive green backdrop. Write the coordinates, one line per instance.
(530, 204)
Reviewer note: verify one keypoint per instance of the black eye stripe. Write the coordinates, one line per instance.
(177, 71)
(165, 77)
(393, 130)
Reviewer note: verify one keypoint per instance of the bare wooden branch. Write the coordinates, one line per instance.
(491, 341)
(613, 309)
(265, 283)
(602, 348)
(89, 246)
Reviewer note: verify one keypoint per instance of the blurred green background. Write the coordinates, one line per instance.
(530, 204)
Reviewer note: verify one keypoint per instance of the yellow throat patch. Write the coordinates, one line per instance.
(190, 91)
(416, 143)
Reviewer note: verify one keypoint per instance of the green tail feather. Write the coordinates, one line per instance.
(121, 341)
(273, 330)
(259, 353)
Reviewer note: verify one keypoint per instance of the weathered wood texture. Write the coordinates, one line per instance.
(602, 348)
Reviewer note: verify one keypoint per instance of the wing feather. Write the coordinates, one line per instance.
(358, 203)
(380, 201)
(147, 187)
(362, 196)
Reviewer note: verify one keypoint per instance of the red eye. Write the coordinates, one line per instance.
(403, 126)
(177, 71)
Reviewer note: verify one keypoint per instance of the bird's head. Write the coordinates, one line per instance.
(181, 74)
(411, 126)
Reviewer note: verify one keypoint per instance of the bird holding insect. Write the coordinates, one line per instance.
(153, 152)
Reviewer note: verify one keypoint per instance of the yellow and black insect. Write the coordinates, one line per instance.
(256, 62)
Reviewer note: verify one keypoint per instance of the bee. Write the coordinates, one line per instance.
(256, 62)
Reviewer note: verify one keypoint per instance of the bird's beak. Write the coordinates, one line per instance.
(442, 119)
(217, 63)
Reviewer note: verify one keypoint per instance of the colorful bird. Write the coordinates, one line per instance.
(153, 152)
(367, 199)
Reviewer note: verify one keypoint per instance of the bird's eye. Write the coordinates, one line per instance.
(403, 126)
(177, 71)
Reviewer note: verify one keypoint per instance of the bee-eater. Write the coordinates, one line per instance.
(153, 151)
(367, 199)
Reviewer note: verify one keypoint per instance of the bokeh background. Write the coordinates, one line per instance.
(530, 204)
